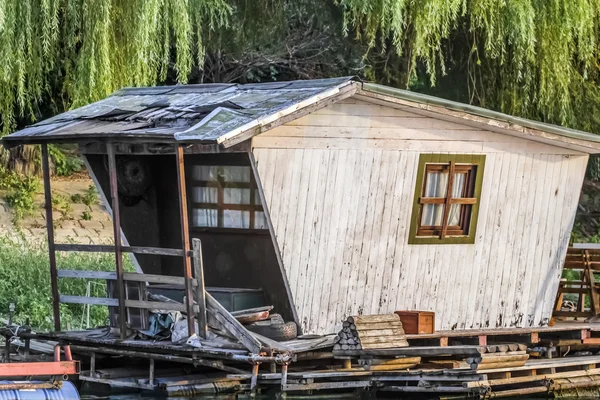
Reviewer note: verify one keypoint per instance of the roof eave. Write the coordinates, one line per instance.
(492, 120)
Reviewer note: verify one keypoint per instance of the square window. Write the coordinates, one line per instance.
(446, 201)
(225, 196)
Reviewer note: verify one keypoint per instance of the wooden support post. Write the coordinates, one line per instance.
(116, 217)
(200, 293)
(185, 241)
(254, 379)
(93, 365)
(444, 341)
(50, 230)
(347, 364)
(151, 372)
(482, 340)
(284, 373)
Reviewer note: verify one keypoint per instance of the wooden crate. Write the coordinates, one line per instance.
(415, 322)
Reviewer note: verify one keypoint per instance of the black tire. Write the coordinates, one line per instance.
(276, 331)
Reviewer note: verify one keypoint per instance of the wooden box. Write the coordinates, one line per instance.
(415, 322)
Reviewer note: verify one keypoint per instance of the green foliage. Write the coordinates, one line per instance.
(535, 59)
(62, 204)
(531, 58)
(20, 191)
(25, 281)
(91, 196)
(79, 51)
(65, 163)
(86, 215)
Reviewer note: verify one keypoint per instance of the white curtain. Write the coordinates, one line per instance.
(437, 186)
(457, 191)
(205, 217)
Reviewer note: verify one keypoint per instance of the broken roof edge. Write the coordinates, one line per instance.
(270, 121)
(561, 136)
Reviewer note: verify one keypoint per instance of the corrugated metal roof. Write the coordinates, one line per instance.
(203, 113)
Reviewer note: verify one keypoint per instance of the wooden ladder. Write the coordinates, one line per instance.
(585, 262)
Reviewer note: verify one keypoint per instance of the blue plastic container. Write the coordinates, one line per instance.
(66, 392)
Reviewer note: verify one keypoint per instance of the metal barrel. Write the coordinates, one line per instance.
(36, 390)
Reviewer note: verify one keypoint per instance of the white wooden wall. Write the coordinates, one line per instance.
(339, 185)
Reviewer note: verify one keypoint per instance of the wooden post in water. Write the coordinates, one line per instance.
(185, 241)
(116, 217)
(200, 293)
(50, 230)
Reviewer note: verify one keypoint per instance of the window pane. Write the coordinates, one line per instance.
(458, 186)
(433, 215)
(260, 222)
(205, 217)
(236, 196)
(205, 172)
(454, 214)
(234, 174)
(437, 184)
(205, 194)
(236, 219)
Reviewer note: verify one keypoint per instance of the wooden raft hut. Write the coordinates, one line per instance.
(324, 199)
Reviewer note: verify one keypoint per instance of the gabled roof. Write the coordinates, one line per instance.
(204, 113)
(228, 114)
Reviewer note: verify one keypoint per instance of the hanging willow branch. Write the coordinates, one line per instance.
(536, 58)
(93, 47)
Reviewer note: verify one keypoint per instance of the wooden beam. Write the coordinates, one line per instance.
(232, 325)
(127, 276)
(200, 290)
(107, 301)
(100, 248)
(116, 218)
(185, 240)
(50, 230)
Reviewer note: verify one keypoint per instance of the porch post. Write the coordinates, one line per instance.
(50, 230)
(185, 241)
(116, 217)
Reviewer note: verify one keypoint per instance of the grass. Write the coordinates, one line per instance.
(25, 281)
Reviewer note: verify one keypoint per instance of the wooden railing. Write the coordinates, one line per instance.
(583, 262)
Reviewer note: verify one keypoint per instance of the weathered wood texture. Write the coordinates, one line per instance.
(341, 215)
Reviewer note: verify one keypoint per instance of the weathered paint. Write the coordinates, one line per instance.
(341, 208)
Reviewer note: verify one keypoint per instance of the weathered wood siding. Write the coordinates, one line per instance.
(339, 186)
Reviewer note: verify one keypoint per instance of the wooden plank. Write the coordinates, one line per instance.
(116, 219)
(100, 301)
(232, 325)
(200, 293)
(127, 276)
(417, 351)
(50, 233)
(382, 339)
(185, 240)
(362, 321)
(105, 301)
(100, 248)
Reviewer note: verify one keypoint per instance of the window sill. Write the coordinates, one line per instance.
(437, 240)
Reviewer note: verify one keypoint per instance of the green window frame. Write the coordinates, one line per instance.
(446, 200)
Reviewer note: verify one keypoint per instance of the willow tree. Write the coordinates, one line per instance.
(71, 52)
(534, 58)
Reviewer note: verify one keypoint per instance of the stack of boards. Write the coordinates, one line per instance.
(366, 332)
